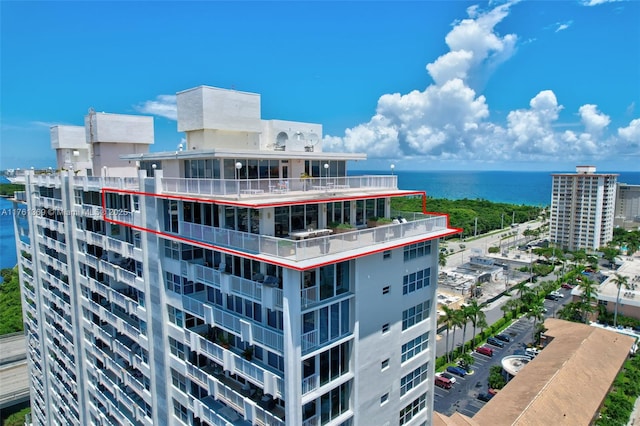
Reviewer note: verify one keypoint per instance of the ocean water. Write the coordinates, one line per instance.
(530, 188)
(8, 257)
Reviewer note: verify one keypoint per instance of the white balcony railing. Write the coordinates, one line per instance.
(240, 187)
(420, 226)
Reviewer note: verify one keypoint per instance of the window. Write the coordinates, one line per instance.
(176, 348)
(416, 281)
(386, 254)
(385, 290)
(175, 316)
(178, 380)
(416, 250)
(415, 314)
(385, 364)
(385, 328)
(413, 379)
(180, 411)
(384, 398)
(334, 362)
(172, 249)
(415, 346)
(411, 410)
(173, 282)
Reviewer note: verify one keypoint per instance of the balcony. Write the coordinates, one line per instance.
(271, 381)
(290, 187)
(98, 182)
(236, 399)
(313, 248)
(257, 289)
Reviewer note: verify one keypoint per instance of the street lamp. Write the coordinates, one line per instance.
(393, 166)
(238, 167)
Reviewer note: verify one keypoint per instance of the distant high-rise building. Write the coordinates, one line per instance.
(627, 206)
(214, 285)
(582, 209)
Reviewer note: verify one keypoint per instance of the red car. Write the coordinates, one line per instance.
(567, 286)
(484, 350)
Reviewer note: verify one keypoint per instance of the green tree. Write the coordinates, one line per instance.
(448, 321)
(476, 315)
(458, 321)
(496, 379)
(442, 259)
(588, 297)
(537, 314)
(10, 302)
(620, 281)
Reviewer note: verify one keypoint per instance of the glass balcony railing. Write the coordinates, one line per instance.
(293, 186)
(301, 250)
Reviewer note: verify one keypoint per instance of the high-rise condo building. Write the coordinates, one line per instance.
(628, 206)
(582, 209)
(244, 278)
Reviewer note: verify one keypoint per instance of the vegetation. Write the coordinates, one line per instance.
(17, 419)
(618, 405)
(7, 189)
(463, 213)
(10, 304)
(496, 380)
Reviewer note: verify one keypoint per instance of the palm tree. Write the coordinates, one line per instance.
(442, 259)
(449, 317)
(589, 295)
(509, 305)
(458, 321)
(537, 313)
(619, 281)
(465, 314)
(476, 315)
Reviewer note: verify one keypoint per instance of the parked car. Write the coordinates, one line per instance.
(553, 297)
(566, 286)
(532, 352)
(447, 376)
(443, 382)
(485, 350)
(457, 371)
(495, 342)
(485, 397)
(503, 337)
(523, 354)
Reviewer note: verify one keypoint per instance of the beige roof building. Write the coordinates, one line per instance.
(564, 385)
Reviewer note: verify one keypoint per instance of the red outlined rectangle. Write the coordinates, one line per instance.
(263, 205)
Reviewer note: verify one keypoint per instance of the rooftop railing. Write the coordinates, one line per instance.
(420, 225)
(240, 187)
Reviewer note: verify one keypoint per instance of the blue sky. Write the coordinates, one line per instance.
(432, 85)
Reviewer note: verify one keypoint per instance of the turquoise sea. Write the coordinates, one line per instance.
(532, 188)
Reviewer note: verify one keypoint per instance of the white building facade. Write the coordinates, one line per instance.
(627, 214)
(212, 285)
(582, 209)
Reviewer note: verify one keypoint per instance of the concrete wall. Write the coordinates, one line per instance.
(212, 138)
(119, 128)
(108, 154)
(213, 108)
(72, 137)
(373, 309)
(298, 135)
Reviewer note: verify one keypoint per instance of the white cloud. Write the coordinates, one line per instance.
(449, 120)
(594, 121)
(631, 133)
(164, 106)
(561, 26)
(597, 2)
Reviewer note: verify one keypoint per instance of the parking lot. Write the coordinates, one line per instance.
(463, 395)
